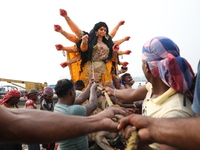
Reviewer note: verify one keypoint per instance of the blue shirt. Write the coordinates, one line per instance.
(78, 143)
(196, 101)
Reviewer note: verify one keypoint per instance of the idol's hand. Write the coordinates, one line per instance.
(116, 47)
(58, 28)
(127, 38)
(85, 38)
(127, 52)
(121, 23)
(59, 47)
(64, 64)
(124, 63)
(63, 12)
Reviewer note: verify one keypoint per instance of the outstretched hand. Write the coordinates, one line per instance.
(64, 64)
(136, 122)
(63, 12)
(116, 47)
(57, 28)
(106, 117)
(127, 52)
(59, 47)
(127, 38)
(85, 38)
(124, 63)
(121, 23)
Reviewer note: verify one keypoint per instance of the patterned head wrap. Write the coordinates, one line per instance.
(47, 91)
(164, 61)
(9, 95)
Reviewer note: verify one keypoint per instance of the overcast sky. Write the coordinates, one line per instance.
(28, 38)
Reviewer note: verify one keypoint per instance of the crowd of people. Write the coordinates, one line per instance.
(166, 119)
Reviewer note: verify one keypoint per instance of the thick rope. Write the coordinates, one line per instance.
(133, 140)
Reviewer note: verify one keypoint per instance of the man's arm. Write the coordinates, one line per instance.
(36, 126)
(182, 133)
(92, 100)
(128, 95)
(85, 95)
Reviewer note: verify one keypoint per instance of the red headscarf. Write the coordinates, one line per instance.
(9, 95)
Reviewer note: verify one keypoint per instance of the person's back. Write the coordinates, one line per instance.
(66, 97)
(79, 143)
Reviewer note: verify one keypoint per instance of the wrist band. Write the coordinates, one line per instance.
(115, 93)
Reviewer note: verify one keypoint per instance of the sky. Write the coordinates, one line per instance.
(28, 38)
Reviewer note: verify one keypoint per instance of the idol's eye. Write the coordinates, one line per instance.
(101, 29)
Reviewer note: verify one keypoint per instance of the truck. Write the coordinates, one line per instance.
(28, 85)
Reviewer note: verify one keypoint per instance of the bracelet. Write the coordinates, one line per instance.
(62, 32)
(67, 18)
(115, 93)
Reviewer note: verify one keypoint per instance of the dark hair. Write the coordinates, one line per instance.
(63, 86)
(92, 41)
(124, 76)
(79, 83)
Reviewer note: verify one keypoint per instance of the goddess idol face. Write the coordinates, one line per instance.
(102, 31)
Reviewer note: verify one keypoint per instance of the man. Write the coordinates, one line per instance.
(46, 99)
(169, 76)
(65, 91)
(32, 96)
(126, 81)
(47, 104)
(196, 101)
(79, 86)
(181, 133)
(11, 100)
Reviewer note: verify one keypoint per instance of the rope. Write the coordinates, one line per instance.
(133, 140)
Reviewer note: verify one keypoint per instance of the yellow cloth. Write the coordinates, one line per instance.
(160, 99)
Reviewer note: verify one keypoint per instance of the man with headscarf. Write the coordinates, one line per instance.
(11, 100)
(46, 99)
(47, 104)
(169, 79)
(32, 96)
